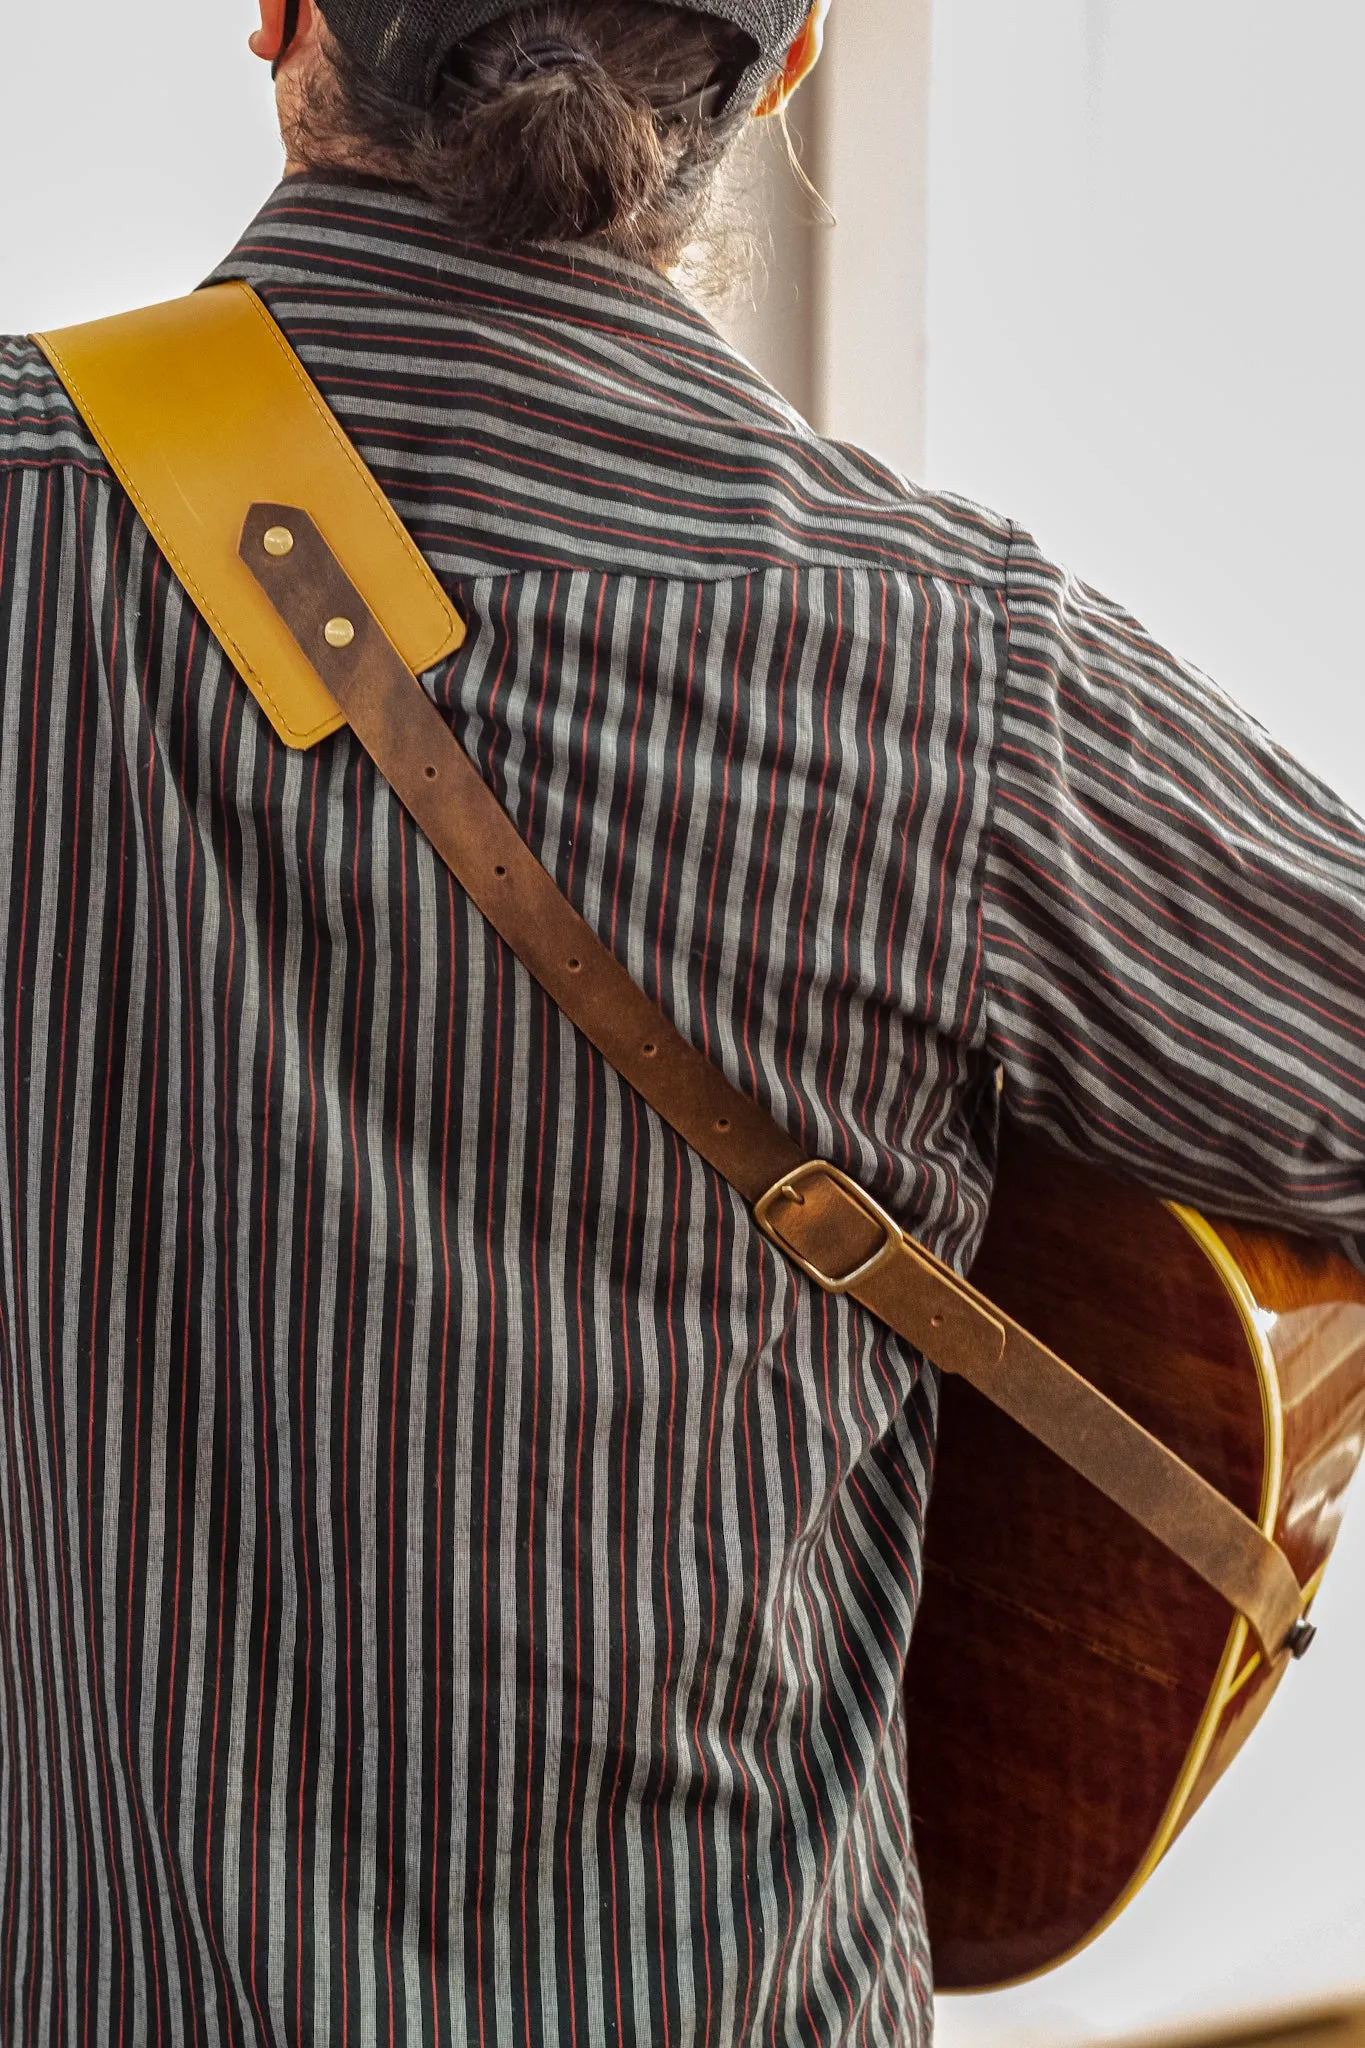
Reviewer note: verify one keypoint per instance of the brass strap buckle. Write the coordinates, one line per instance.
(788, 1189)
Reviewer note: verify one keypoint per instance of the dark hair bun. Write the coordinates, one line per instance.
(556, 152)
(570, 121)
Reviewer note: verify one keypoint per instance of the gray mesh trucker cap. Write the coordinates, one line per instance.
(405, 42)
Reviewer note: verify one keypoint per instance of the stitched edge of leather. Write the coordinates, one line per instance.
(247, 670)
(449, 619)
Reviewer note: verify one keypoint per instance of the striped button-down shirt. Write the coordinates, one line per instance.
(455, 1578)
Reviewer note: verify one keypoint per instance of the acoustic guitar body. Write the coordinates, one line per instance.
(1075, 1692)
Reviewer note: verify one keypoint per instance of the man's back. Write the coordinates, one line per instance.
(458, 1579)
(457, 1566)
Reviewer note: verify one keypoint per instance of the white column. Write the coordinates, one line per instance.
(840, 327)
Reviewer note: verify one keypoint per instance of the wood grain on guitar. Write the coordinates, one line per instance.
(1075, 1692)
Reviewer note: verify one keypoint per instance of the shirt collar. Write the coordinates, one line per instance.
(354, 239)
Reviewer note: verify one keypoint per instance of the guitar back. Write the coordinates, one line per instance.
(1075, 1691)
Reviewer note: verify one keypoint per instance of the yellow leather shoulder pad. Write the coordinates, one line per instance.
(203, 409)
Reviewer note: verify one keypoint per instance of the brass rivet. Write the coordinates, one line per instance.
(339, 632)
(279, 541)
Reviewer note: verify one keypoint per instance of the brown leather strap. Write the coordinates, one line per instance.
(812, 1212)
(947, 1319)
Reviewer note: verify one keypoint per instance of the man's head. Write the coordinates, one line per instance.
(551, 120)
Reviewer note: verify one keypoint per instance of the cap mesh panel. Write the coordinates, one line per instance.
(405, 42)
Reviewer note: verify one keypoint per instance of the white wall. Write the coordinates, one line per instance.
(136, 141)
(1147, 245)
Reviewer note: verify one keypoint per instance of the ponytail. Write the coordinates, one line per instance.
(597, 121)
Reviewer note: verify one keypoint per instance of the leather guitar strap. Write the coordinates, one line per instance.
(814, 1214)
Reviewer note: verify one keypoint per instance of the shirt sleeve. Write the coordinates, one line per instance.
(1174, 925)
